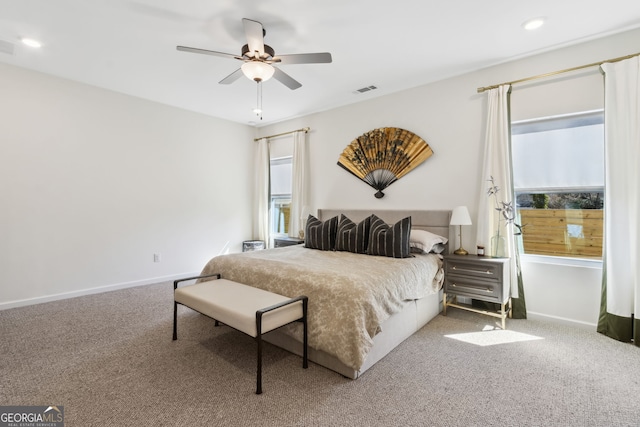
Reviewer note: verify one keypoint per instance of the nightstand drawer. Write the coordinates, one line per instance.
(487, 290)
(484, 271)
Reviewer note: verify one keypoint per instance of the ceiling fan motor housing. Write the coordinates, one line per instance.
(269, 53)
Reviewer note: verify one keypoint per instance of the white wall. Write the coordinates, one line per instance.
(450, 116)
(93, 183)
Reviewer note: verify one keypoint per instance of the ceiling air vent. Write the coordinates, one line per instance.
(365, 89)
(6, 47)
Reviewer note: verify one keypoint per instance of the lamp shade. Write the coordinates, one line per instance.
(460, 216)
(258, 71)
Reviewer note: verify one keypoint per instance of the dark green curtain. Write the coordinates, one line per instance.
(621, 328)
(519, 305)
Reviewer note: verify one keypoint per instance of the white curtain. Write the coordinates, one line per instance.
(262, 191)
(497, 166)
(299, 183)
(621, 270)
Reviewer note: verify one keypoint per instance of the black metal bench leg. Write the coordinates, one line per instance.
(305, 363)
(175, 320)
(259, 340)
(259, 374)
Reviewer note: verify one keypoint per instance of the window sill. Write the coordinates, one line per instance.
(563, 261)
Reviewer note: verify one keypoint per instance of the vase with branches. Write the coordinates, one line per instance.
(506, 216)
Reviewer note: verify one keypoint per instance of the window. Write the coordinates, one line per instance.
(281, 169)
(558, 167)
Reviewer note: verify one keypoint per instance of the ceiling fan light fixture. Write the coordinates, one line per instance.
(257, 71)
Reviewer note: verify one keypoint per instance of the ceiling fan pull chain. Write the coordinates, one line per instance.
(258, 109)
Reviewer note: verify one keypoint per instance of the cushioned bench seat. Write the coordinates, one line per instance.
(250, 310)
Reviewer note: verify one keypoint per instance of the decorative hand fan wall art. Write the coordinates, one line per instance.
(382, 156)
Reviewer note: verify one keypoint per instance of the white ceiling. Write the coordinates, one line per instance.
(129, 46)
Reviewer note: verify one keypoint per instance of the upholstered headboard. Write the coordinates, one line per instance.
(434, 221)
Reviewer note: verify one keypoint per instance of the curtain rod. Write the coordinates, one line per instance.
(554, 73)
(305, 130)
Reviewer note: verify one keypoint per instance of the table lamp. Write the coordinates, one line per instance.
(460, 216)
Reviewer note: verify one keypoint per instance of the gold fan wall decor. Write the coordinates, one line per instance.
(384, 155)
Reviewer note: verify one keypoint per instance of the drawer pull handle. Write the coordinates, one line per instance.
(470, 270)
(453, 285)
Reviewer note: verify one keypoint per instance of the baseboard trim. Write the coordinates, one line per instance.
(562, 320)
(91, 291)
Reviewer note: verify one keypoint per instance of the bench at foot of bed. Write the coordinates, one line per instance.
(249, 310)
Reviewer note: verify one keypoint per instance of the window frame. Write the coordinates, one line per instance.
(584, 118)
(276, 197)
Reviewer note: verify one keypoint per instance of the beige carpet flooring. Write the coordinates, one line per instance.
(110, 361)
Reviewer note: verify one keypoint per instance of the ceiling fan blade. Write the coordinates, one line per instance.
(304, 58)
(286, 79)
(232, 77)
(205, 52)
(255, 35)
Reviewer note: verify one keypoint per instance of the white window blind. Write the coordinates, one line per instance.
(281, 170)
(559, 154)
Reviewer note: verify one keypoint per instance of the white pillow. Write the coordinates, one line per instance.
(422, 241)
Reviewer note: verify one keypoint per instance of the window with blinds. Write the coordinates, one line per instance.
(281, 170)
(558, 167)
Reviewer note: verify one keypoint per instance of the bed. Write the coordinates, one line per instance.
(352, 322)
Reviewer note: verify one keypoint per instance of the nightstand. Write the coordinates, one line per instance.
(281, 242)
(478, 277)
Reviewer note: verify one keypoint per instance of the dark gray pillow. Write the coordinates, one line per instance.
(353, 237)
(320, 235)
(390, 241)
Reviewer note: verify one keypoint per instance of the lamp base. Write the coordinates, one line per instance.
(460, 251)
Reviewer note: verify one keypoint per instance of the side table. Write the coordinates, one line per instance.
(482, 278)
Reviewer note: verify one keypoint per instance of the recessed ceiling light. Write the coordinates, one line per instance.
(534, 23)
(30, 42)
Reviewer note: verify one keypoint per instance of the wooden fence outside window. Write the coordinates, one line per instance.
(562, 232)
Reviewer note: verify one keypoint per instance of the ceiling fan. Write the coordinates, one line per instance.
(259, 57)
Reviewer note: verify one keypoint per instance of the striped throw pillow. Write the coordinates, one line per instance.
(352, 237)
(390, 241)
(320, 235)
